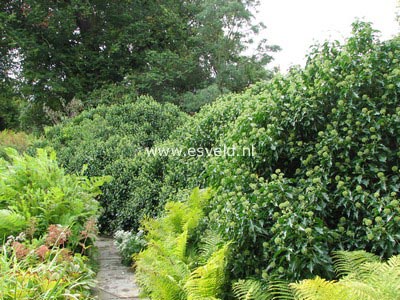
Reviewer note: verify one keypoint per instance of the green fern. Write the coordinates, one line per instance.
(280, 290)
(365, 278)
(382, 280)
(165, 271)
(347, 262)
(180, 245)
(251, 290)
(209, 244)
(370, 279)
(161, 275)
(10, 223)
(318, 289)
(206, 281)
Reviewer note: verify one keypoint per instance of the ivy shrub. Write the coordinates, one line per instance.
(326, 171)
(104, 141)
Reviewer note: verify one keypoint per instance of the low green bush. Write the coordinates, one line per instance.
(106, 139)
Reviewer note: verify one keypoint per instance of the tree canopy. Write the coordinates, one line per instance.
(67, 48)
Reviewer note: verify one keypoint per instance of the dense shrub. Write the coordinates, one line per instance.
(326, 172)
(154, 179)
(325, 175)
(106, 139)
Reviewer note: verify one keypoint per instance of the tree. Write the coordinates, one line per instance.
(68, 48)
(8, 105)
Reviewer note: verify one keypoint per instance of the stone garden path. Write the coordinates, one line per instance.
(114, 280)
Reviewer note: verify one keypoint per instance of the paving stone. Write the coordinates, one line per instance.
(114, 280)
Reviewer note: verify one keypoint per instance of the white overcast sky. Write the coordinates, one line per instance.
(294, 25)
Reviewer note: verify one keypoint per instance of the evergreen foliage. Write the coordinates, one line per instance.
(325, 175)
(54, 52)
(106, 140)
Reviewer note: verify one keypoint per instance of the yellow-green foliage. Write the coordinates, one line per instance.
(165, 270)
(11, 222)
(60, 275)
(35, 188)
(370, 280)
(250, 290)
(205, 282)
(364, 277)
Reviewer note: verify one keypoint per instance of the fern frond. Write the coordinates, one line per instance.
(359, 290)
(180, 245)
(209, 244)
(250, 290)
(383, 277)
(206, 281)
(347, 262)
(199, 197)
(11, 223)
(318, 289)
(161, 277)
(394, 262)
(280, 290)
